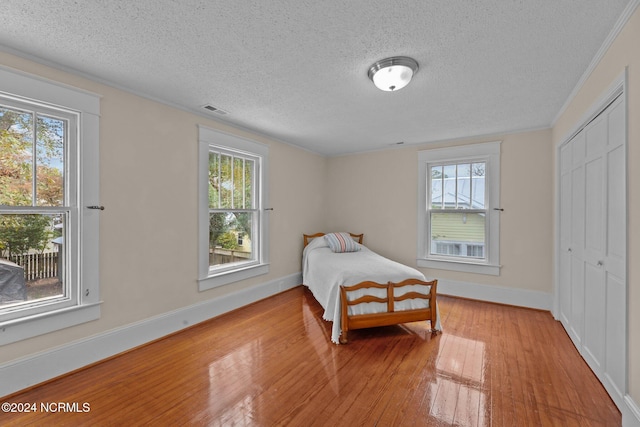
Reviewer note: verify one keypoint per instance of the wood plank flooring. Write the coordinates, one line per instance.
(272, 364)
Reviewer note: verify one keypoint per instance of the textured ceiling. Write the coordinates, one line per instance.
(296, 70)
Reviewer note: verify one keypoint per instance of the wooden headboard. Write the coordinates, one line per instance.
(309, 237)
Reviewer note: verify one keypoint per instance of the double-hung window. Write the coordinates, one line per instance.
(48, 174)
(459, 208)
(232, 223)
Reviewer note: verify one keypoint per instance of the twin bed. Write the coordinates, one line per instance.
(360, 289)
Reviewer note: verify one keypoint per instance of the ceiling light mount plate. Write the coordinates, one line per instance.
(391, 74)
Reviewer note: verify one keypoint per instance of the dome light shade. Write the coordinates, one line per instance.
(392, 74)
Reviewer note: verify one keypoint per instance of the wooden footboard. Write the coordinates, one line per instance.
(390, 317)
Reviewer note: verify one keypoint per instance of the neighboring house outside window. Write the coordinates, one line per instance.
(232, 223)
(48, 175)
(458, 220)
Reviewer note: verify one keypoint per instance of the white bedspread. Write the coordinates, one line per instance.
(325, 271)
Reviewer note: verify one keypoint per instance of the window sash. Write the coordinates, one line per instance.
(248, 186)
(463, 236)
(457, 173)
(255, 252)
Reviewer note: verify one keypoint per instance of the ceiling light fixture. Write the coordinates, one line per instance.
(394, 73)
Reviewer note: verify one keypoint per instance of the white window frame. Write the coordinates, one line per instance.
(83, 303)
(214, 140)
(488, 152)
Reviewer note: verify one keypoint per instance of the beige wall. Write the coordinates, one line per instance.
(623, 53)
(148, 231)
(376, 193)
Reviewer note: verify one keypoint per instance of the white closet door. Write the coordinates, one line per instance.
(566, 170)
(594, 243)
(577, 239)
(593, 238)
(615, 254)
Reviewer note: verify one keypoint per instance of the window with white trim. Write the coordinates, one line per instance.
(232, 222)
(458, 210)
(48, 175)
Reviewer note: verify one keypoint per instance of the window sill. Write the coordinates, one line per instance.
(224, 278)
(466, 267)
(44, 323)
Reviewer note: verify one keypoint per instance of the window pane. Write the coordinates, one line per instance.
(458, 234)
(50, 143)
(214, 180)
(464, 186)
(449, 175)
(436, 187)
(238, 183)
(226, 231)
(31, 257)
(478, 185)
(16, 157)
(226, 184)
(249, 166)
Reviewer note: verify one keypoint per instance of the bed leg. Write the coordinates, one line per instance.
(343, 338)
(434, 331)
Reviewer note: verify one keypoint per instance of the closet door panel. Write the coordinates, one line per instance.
(565, 198)
(594, 326)
(577, 300)
(596, 135)
(616, 213)
(578, 211)
(577, 224)
(564, 291)
(616, 333)
(594, 212)
(616, 128)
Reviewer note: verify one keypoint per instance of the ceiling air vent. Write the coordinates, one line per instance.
(215, 110)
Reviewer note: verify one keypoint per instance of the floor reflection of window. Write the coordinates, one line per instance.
(323, 346)
(228, 379)
(459, 390)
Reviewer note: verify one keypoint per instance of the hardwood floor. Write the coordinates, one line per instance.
(272, 363)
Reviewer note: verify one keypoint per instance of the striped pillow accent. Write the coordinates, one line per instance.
(341, 242)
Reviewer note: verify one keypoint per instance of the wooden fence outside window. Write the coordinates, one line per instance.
(37, 266)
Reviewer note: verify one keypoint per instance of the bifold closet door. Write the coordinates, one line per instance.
(594, 243)
(572, 218)
(592, 258)
(615, 255)
(566, 174)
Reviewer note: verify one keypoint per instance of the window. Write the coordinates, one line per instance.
(48, 241)
(232, 223)
(458, 217)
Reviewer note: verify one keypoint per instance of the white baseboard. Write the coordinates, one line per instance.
(511, 296)
(34, 369)
(630, 414)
